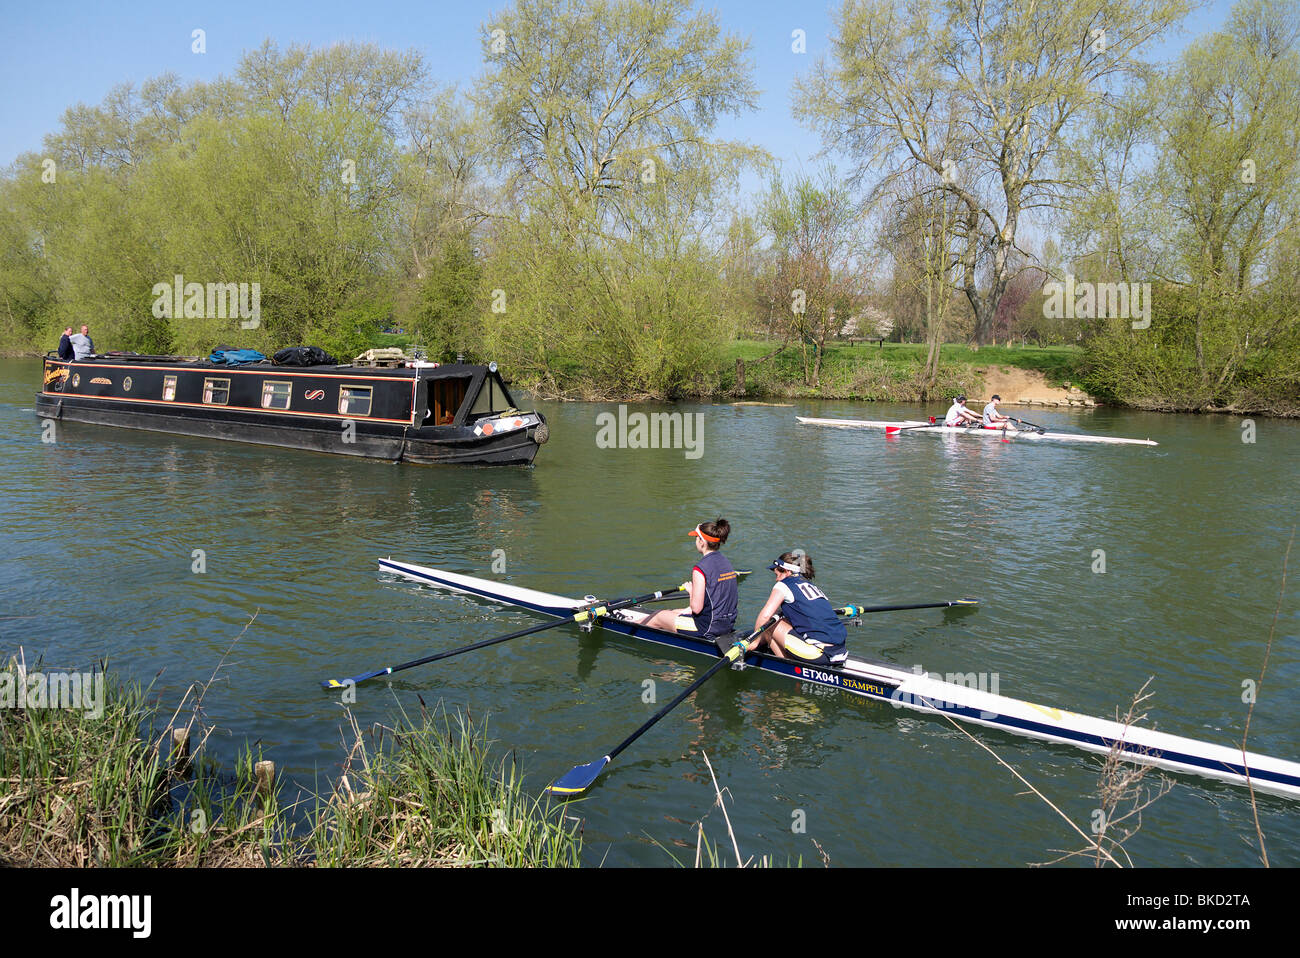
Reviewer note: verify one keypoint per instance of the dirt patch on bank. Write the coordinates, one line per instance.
(1028, 387)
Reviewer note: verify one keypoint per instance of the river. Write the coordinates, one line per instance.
(103, 530)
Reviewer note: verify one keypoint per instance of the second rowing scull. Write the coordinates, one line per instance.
(913, 426)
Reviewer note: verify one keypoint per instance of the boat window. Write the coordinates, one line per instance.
(216, 391)
(169, 388)
(354, 400)
(275, 394)
(445, 397)
(491, 398)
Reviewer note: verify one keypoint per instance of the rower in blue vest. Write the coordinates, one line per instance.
(809, 630)
(712, 588)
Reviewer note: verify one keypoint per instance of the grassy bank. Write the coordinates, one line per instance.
(77, 790)
(888, 372)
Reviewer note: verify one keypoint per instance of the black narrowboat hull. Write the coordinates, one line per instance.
(432, 415)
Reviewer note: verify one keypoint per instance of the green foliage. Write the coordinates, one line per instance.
(446, 311)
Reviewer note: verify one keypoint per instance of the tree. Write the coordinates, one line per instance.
(979, 93)
(1231, 154)
(599, 266)
(922, 234)
(815, 229)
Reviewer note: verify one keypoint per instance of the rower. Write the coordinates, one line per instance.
(809, 630)
(712, 588)
(959, 415)
(992, 418)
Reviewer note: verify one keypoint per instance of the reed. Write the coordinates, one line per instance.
(432, 794)
(77, 791)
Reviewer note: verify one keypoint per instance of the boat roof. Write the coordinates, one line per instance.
(442, 370)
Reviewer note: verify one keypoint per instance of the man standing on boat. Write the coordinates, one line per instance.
(82, 345)
(809, 630)
(992, 418)
(65, 345)
(959, 415)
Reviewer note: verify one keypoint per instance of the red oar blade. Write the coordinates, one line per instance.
(577, 779)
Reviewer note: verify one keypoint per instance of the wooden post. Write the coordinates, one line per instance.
(180, 753)
(265, 774)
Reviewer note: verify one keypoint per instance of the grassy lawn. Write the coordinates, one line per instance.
(1057, 363)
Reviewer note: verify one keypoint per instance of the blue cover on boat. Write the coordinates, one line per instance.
(236, 357)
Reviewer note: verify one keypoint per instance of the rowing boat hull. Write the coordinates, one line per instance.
(915, 426)
(923, 693)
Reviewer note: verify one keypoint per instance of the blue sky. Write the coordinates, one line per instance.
(52, 57)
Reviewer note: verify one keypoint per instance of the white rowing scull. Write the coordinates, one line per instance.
(913, 426)
(920, 692)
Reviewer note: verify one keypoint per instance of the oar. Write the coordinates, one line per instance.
(895, 430)
(1026, 422)
(855, 610)
(581, 777)
(584, 615)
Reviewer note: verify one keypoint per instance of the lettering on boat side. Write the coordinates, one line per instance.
(57, 374)
(860, 686)
(817, 675)
(76, 911)
(102, 381)
(659, 430)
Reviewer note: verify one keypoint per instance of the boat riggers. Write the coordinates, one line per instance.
(589, 612)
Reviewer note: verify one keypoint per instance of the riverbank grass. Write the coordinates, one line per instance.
(888, 372)
(112, 791)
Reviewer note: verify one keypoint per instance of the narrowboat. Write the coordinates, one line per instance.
(415, 412)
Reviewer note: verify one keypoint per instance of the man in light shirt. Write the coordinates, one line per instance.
(959, 415)
(992, 418)
(82, 345)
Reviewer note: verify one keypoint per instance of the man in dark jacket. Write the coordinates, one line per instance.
(65, 345)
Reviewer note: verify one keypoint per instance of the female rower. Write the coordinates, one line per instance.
(809, 630)
(712, 588)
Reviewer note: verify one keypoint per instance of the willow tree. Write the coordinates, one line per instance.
(602, 116)
(1213, 221)
(1230, 156)
(1018, 78)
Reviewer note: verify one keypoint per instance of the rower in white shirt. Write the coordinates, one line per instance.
(992, 418)
(959, 415)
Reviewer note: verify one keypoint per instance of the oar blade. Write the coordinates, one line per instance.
(577, 779)
(355, 680)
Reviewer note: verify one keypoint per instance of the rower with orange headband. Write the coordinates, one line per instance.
(712, 588)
